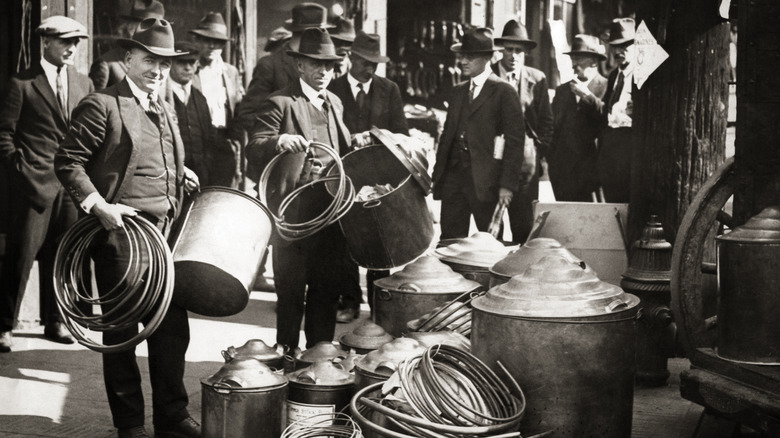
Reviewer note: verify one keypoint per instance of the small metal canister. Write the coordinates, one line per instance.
(365, 338)
(518, 261)
(320, 351)
(323, 387)
(257, 349)
(474, 256)
(748, 284)
(569, 340)
(378, 365)
(418, 288)
(233, 396)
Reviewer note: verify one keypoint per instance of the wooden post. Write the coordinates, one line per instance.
(757, 152)
(679, 115)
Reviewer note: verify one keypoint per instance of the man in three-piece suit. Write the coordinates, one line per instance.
(369, 100)
(34, 118)
(471, 174)
(110, 68)
(531, 86)
(287, 122)
(124, 157)
(572, 156)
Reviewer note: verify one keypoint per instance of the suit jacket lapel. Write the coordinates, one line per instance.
(41, 83)
(230, 89)
(378, 99)
(487, 91)
(301, 111)
(131, 112)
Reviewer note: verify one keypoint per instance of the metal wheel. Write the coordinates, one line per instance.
(693, 282)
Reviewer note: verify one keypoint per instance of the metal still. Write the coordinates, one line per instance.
(473, 256)
(365, 338)
(748, 284)
(518, 261)
(378, 365)
(569, 340)
(323, 387)
(256, 349)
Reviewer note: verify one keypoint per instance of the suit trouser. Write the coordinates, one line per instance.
(33, 233)
(459, 201)
(322, 263)
(521, 209)
(167, 347)
(614, 163)
(224, 165)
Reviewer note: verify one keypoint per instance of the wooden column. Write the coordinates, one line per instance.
(757, 151)
(679, 115)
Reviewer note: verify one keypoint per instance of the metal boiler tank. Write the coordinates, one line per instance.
(569, 340)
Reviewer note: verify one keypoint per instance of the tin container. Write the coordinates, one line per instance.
(365, 338)
(380, 364)
(473, 256)
(256, 349)
(323, 387)
(518, 261)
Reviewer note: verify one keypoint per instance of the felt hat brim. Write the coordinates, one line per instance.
(458, 48)
(210, 34)
(128, 44)
(323, 57)
(529, 43)
(378, 59)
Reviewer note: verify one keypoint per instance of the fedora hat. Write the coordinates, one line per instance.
(515, 32)
(153, 35)
(61, 27)
(477, 40)
(187, 50)
(621, 31)
(587, 45)
(143, 9)
(306, 15)
(277, 38)
(316, 44)
(344, 31)
(366, 46)
(212, 26)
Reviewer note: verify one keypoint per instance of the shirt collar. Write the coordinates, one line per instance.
(353, 83)
(141, 95)
(479, 80)
(628, 70)
(313, 95)
(505, 73)
(50, 69)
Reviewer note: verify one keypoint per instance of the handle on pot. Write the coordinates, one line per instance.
(410, 287)
(308, 375)
(384, 295)
(615, 304)
(386, 366)
(229, 354)
(372, 203)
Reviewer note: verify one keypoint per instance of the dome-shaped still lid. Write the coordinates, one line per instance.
(480, 249)
(554, 287)
(255, 348)
(368, 336)
(326, 372)
(321, 351)
(245, 373)
(761, 228)
(427, 274)
(534, 250)
(386, 359)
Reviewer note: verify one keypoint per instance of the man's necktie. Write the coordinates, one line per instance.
(472, 90)
(154, 106)
(361, 98)
(61, 98)
(617, 91)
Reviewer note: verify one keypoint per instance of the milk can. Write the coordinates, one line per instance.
(569, 340)
(748, 284)
(323, 387)
(378, 365)
(257, 349)
(416, 289)
(473, 256)
(365, 338)
(518, 261)
(234, 396)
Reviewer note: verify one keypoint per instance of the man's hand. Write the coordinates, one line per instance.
(361, 140)
(579, 88)
(110, 215)
(292, 143)
(191, 181)
(504, 196)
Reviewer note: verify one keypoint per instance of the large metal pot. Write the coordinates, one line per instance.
(518, 261)
(323, 387)
(234, 395)
(473, 256)
(380, 364)
(748, 283)
(569, 340)
(218, 247)
(256, 349)
(416, 289)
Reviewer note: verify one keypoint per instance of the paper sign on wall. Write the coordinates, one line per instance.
(649, 54)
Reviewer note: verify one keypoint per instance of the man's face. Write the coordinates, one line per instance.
(183, 70)
(210, 48)
(316, 73)
(624, 53)
(472, 64)
(362, 69)
(514, 56)
(60, 51)
(583, 66)
(147, 70)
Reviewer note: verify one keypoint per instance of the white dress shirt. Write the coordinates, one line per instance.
(353, 85)
(479, 80)
(314, 96)
(51, 76)
(212, 85)
(620, 115)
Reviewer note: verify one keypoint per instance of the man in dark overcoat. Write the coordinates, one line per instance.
(124, 157)
(472, 172)
(34, 118)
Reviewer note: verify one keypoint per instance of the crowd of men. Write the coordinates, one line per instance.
(156, 119)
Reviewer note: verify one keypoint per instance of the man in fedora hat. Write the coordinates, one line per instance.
(192, 111)
(124, 157)
(369, 100)
(34, 118)
(288, 121)
(221, 84)
(276, 40)
(110, 67)
(531, 86)
(471, 173)
(571, 159)
(616, 143)
(343, 35)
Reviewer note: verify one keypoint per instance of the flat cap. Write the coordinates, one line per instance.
(61, 27)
